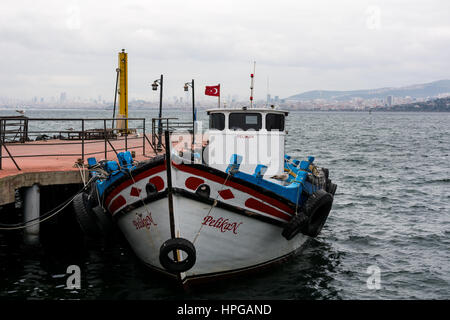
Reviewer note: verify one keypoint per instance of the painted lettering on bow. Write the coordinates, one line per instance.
(245, 136)
(144, 222)
(221, 223)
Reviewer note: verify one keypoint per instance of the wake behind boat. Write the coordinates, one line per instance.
(234, 203)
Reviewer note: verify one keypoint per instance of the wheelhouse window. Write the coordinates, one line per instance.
(217, 121)
(245, 121)
(274, 121)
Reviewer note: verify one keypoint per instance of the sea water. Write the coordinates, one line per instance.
(387, 237)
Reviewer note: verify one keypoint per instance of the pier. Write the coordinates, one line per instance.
(44, 161)
(44, 154)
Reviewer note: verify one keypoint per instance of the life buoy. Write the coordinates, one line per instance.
(83, 214)
(170, 246)
(317, 208)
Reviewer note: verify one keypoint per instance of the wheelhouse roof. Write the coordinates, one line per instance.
(247, 110)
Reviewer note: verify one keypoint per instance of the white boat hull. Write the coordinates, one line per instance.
(233, 236)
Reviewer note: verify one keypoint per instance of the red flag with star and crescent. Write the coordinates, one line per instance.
(212, 90)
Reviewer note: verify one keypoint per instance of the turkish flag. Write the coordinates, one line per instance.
(213, 90)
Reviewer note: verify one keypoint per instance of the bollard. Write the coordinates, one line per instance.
(32, 204)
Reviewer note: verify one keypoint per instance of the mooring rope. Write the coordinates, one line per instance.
(210, 209)
(43, 217)
(297, 200)
(134, 185)
(83, 178)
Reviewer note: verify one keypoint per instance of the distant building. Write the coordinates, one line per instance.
(276, 99)
(389, 101)
(269, 99)
(62, 97)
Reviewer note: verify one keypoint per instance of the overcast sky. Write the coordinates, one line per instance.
(52, 46)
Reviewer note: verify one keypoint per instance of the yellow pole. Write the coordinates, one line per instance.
(123, 90)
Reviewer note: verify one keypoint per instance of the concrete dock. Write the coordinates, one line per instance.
(54, 161)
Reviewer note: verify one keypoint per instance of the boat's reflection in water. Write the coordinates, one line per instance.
(114, 272)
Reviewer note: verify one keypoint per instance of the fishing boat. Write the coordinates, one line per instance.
(233, 204)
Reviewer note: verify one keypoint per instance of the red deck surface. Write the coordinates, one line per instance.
(63, 157)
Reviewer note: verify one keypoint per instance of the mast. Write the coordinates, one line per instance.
(252, 76)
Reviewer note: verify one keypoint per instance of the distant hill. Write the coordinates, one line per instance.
(415, 91)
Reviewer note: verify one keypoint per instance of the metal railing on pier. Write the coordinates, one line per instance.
(14, 129)
(46, 134)
(159, 125)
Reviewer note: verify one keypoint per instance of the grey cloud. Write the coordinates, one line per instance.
(300, 45)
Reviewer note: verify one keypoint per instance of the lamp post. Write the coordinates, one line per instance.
(155, 87)
(186, 88)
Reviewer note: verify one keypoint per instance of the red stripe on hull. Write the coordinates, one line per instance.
(117, 203)
(226, 194)
(158, 182)
(193, 182)
(237, 186)
(137, 178)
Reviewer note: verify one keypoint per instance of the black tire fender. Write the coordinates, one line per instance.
(93, 196)
(294, 226)
(84, 216)
(317, 209)
(104, 223)
(171, 245)
(203, 191)
(332, 188)
(326, 173)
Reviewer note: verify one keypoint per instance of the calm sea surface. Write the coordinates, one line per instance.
(391, 210)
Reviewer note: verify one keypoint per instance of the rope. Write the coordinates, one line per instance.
(134, 184)
(210, 209)
(83, 178)
(42, 218)
(296, 201)
(98, 199)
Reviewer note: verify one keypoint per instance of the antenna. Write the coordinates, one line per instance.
(252, 76)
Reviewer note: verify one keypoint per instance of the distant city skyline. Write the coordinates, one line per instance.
(71, 46)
